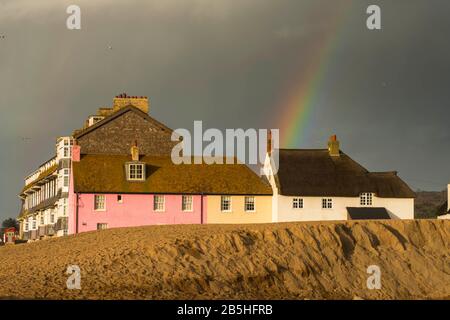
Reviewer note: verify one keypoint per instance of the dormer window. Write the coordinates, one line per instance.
(135, 171)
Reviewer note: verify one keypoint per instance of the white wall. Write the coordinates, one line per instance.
(282, 211)
(312, 208)
(448, 197)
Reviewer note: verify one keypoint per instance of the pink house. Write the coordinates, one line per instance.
(110, 191)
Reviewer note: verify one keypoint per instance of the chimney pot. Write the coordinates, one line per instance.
(135, 151)
(76, 152)
(333, 146)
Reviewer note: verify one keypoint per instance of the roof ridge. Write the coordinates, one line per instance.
(384, 172)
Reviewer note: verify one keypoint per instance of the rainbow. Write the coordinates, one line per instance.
(302, 95)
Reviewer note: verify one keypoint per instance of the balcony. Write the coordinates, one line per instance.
(62, 224)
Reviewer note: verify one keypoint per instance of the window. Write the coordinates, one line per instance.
(65, 232)
(66, 151)
(42, 219)
(186, 203)
(119, 198)
(102, 226)
(25, 227)
(249, 204)
(66, 177)
(297, 203)
(225, 203)
(34, 223)
(52, 218)
(365, 199)
(158, 203)
(136, 171)
(99, 202)
(327, 203)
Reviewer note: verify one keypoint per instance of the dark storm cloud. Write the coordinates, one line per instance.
(228, 63)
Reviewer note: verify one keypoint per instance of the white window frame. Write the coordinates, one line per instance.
(133, 167)
(156, 204)
(222, 202)
(366, 199)
(103, 225)
(187, 203)
(297, 203)
(251, 203)
(327, 203)
(96, 202)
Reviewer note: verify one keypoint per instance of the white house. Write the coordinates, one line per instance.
(444, 210)
(44, 197)
(326, 184)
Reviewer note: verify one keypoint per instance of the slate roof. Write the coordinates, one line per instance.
(442, 209)
(371, 213)
(313, 172)
(79, 133)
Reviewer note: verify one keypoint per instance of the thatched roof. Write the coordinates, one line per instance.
(106, 174)
(313, 172)
(371, 213)
(79, 133)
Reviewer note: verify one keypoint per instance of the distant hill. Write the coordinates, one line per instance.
(427, 202)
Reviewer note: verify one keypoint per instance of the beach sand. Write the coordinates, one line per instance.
(301, 260)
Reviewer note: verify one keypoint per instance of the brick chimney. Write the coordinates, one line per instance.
(123, 100)
(333, 146)
(76, 152)
(135, 152)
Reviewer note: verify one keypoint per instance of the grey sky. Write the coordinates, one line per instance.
(229, 63)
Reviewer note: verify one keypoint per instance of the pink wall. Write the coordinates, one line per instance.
(135, 210)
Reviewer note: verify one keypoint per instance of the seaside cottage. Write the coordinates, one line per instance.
(110, 191)
(100, 178)
(116, 171)
(326, 184)
(44, 198)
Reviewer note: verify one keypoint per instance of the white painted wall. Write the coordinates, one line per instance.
(312, 208)
(448, 197)
(282, 211)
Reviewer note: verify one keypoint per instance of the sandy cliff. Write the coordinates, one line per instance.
(326, 260)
